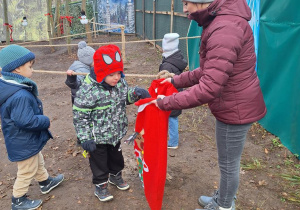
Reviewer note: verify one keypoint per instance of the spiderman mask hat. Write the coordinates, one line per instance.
(107, 60)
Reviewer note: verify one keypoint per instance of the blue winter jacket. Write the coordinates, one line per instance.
(24, 126)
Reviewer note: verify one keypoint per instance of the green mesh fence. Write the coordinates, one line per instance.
(145, 26)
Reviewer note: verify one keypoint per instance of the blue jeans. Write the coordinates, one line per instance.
(230, 143)
(173, 132)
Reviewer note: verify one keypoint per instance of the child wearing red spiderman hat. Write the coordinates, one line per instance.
(100, 118)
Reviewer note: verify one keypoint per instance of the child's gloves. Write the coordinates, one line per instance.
(89, 145)
(70, 72)
(164, 74)
(141, 93)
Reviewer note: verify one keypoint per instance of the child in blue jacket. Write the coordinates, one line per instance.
(24, 126)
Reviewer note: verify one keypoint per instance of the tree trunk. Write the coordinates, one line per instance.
(87, 26)
(49, 6)
(67, 25)
(57, 17)
(51, 19)
(6, 21)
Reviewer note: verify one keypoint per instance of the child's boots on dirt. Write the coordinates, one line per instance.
(23, 203)
(49, 184)
(102, 192)
(118, 181)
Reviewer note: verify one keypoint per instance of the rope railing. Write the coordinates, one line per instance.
(61, 37)
(105, 43)
(78, 73)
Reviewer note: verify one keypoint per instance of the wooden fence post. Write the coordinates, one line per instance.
(144, 29)
(123, 43)
(154, 20)
(172, 16)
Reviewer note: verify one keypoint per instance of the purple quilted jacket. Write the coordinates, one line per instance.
(226, 78)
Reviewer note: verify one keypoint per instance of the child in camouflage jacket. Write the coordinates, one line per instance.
(100, 118)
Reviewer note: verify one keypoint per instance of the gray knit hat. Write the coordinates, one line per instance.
(170, 42)
(85, 53)
(200, 1)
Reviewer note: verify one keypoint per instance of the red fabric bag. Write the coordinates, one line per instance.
(151, 144)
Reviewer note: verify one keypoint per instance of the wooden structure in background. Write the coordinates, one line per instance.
(87, 26)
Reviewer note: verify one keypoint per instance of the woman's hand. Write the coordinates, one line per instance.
(159, 97)
(166, 80)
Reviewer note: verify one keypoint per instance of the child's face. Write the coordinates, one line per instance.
(113, 79)
(25, 70)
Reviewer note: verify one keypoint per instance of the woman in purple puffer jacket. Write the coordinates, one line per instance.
(227, 81)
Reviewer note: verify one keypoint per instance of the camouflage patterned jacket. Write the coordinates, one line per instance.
(100, 114)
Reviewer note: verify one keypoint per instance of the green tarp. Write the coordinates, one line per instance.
(279, 69)
(193, 45)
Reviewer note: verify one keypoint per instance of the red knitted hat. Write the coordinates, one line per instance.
(107, 60)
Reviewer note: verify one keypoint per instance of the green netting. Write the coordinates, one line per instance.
(138, 5)
(178, 6)
(149, 26)
(139, 22)
(148, 5)
(162, 21)
(181, 26)
(279, 69)
(161, 27)
(163, 5)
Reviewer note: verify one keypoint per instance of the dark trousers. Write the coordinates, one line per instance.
(104, 160)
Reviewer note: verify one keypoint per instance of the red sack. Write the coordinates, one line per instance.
(151, 144)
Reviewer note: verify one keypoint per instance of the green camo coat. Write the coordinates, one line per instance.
(100, 114)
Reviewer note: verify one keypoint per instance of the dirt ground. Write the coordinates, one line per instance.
(193, 166)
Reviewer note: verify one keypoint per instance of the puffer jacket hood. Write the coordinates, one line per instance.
(177, 60)
(8, 88)
(221, 7)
